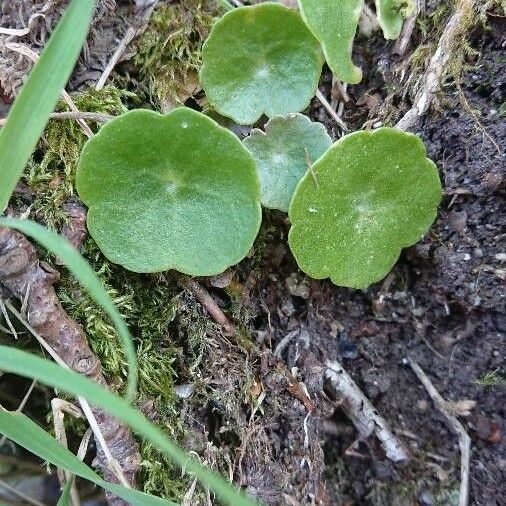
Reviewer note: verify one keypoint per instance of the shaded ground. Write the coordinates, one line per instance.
(442, 305)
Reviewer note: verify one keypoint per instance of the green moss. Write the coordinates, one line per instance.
(169, 329)
(147, 304)
(169, 52)
(159, 476)
(492, 379)
(51, 172)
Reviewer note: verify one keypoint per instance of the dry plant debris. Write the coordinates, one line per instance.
(31, 282)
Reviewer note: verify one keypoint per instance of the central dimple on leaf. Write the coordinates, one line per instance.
(363, 208)
(171, 187)
(263, 72)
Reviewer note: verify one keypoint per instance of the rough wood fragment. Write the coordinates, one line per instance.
(431, 81)
(362, 413)
(464, 440)
(30, 281)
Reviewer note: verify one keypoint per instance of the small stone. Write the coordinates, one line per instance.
(222, 280)
(491, 181)
(143, 3)
(422, 406)
(184, 391)
(501, 257)
(348, 349)
(426, 498)
(457, 221)
(296, 287)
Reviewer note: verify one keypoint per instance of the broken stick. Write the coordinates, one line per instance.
(455, 425)
(362, 413)
(431, 81)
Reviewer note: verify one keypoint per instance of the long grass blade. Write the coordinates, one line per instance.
(37, 99)
(20, 429)
(30, 366)
(64, 499)
(87, 277)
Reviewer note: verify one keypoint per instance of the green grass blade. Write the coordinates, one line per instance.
(87, 277)
(28, 365)
(64, 499)
(37, 99)
(20, 429)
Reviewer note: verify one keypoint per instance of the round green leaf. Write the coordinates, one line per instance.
(369, 196)
(283, 154)
(170, 192)
(335, 27)
(260, 60)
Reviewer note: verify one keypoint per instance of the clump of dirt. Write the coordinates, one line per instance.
(442, 305)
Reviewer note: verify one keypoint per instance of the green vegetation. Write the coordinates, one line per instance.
(335, 29)
(260, 60)
(391, 15)
(369, 196)
(169, 53)
(283, 155)
(51, 171)
(491, 379)
(180, 192)
(177, 192)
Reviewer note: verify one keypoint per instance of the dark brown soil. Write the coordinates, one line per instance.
(443, 305)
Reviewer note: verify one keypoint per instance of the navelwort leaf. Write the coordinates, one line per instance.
(391, 15)
(27, 434)
(87, 277)
(284, 153)
(334, 24)
(30, 112)
(29, 366)
(170, 192)
(369, 196)
(260, 60)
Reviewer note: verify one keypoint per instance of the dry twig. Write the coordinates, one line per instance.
(362, 413)
(438, 64)
(130, 34)
(90, 116)
(333, 114)
(112, 463)
(407, 30)
(204, 297)
(34, 57)
(464, 440)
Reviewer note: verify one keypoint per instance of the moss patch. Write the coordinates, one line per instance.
(170, 331)
(51, 172)
(169, 52)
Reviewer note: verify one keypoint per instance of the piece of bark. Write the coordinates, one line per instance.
(458, 24)
(75, 230)
(362, 413)
(30, 281)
